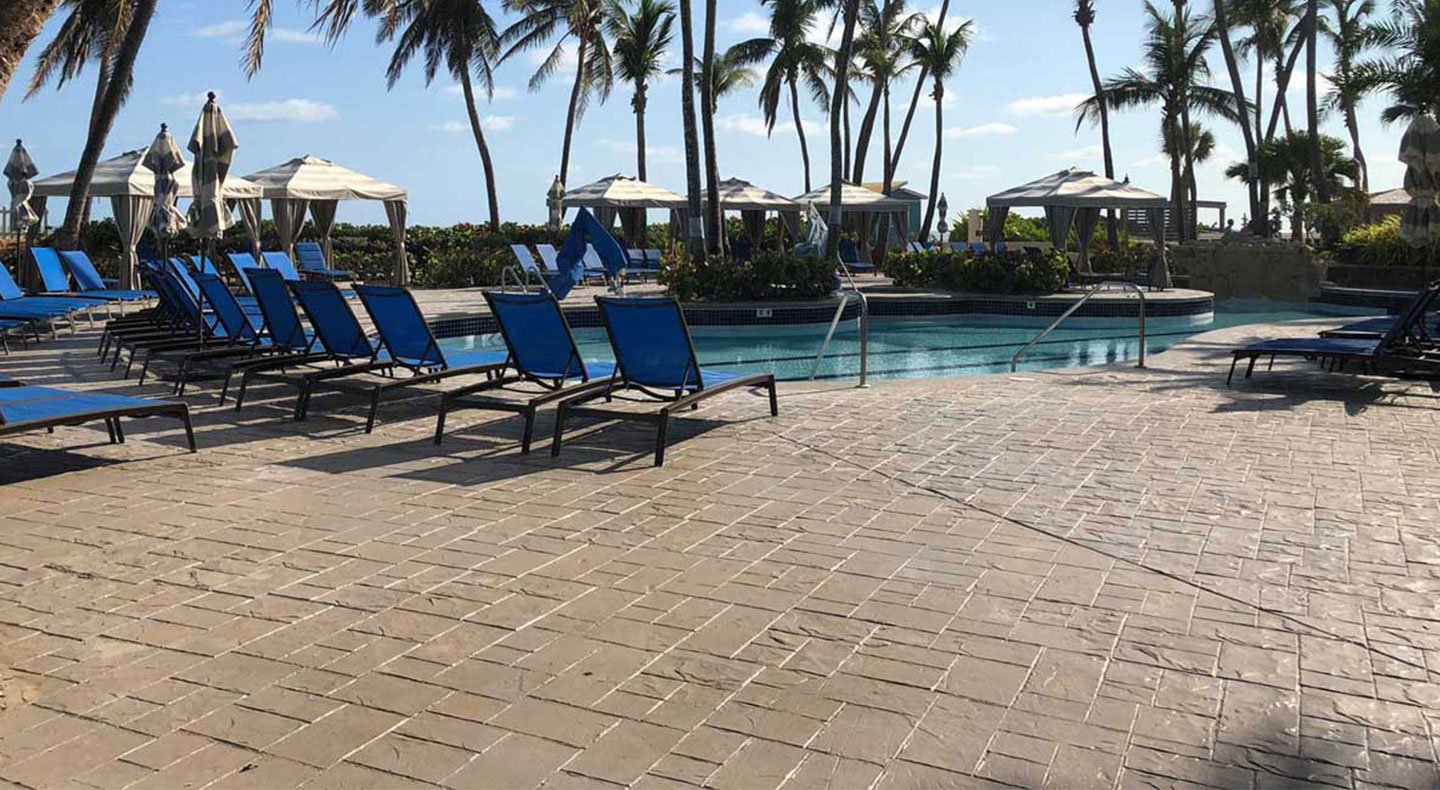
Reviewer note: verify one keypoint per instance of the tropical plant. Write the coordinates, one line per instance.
(695, 242)
(882, 48)
(839, 108)
(20, 24)
(793, 58)
(1312, 95)
(1084, 16)
(1196, 145)
(1274, 25)
(894, 163)
(713, 213)
(1175, 76)
(1237, 85)
(728, 76)
(1410, 70)
(939, 53)
(1349, 35)
(457, 35)
(542, 21)
(641, 41)
(1285, 163)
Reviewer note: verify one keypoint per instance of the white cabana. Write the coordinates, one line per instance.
(862, 210)
(626, 197)
(309, 183)
(1075, 197)
(130, 186)
(754, 203)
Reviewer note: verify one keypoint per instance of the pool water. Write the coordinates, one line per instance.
(948, 345)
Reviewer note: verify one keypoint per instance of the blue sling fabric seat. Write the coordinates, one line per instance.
(1404, 348)
(24, 409)
(1375, 328)
(654, 356)
(310, 257)
(91, 283)
(243, 263)
(280, 262)
(54, 280)
(541, 350)
(850, 256)
(14, 304)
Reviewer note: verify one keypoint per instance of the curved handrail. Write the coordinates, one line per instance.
(864, 327)
(1015, 360)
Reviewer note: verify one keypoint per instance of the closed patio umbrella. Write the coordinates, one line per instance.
(18, 171)
(163, 159)
(1420, 152)
(213, 145)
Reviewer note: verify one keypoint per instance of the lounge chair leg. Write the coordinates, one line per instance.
(302, 404)
(374, 407)
(240, 393)
(774, 402)
(225, 387)
(144, 369)
(1234, 360)
(660, 434)
(1249, 369)
(119, 432)
(529, 415)
(110, 428)
(440, 419)
(189, 430)
(559, 431)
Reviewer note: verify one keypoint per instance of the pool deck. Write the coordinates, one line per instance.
(1081, 578)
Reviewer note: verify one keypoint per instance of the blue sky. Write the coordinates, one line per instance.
(1007, 117)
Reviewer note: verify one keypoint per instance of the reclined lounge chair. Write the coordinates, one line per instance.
(24, 409)
(310, 257)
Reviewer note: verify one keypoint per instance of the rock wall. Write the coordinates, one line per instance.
(1241, 269)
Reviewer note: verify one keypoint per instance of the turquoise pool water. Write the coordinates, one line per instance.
(948, 345)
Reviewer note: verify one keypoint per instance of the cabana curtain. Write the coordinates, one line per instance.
(322, 213)
(249, 209)
(289, 217)
(395, 211)
(132, 214)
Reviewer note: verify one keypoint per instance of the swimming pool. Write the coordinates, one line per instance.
(948, 345)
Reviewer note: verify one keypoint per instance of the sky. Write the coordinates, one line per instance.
(1008, 115)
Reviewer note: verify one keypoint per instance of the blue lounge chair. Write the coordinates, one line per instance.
(15, 305)
(655, 357)
(290, 343)
(55, 281)
(24, 409)
(201, 265)
(541, 351)
(92, 284)
(280, 262)
(243, 263)
(219, 324)
(1403, 349)
(529, 270)
(6, 381)
(310, 257)
(1375, 328)
(850, 256)
(249, 335)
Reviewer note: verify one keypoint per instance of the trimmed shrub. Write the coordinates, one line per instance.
(960, 271)
(766, 276)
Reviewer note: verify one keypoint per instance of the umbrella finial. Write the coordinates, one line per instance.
(163, 127)
(210, 96)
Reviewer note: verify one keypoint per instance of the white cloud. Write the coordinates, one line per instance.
(1081, 154)
(1153, 160)
(983, 130)
(231, 28)
(450, 126)
(661, 155)
(754, 125)
(490, 123)
(284, 111)
(974, 172)
(292, 35)
(1062, 104)
(195, 100)
(750, 22)
(235, 30)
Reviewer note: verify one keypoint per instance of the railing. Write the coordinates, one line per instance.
(835, 322)
(1015, 360)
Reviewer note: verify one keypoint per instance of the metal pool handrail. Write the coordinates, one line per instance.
(1015, 360)
(835, 322)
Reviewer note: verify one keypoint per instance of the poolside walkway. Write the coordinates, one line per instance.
(1107, 578)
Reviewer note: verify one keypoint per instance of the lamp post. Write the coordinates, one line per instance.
(942, 231)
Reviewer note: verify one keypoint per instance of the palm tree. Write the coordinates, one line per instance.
(1285, 163)
(1175, 77)
(1273, 26)
(939, 53)
(794, 58)
(1085, 17)
(20, 24)
(1349, 36)
(1237, 84)
(121, 74)
(562, 20)
(1197, 145)
(641, 41)
(461, 37)
(1410, 70)
(893, 162)
(696, 241)
(1312, 94)
(714, 235)
(882, 48)
(840, 99)
(728, 76)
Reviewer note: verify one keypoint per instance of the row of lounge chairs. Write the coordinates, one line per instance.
(530, 269)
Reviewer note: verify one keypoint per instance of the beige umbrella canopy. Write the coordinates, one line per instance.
(753, 202)
(317, 185)
(854, 199)
(626, 197)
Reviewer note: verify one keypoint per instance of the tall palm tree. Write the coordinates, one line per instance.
(561, 20)
(1274, 26)
(794, 59)
(1409, 68)
(1349, 36)
(894, 161)
(850, 10)
(1312, 94)
(1198, 144)
(695, 241)
(1085, 17)
(939, 53)
(641, 40)
(882, 48)
(20, 23)
(121, 74)
(1174, 76)
(728, 76)
(1237, 84)
(457, 35)
(1286, 163)
(714, 236)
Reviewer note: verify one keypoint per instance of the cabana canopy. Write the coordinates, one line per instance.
(753, 202)
(626, 197)
(862, 210)
(317, 185)
(1075, 197)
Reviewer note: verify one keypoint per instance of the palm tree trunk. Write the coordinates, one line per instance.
(915, 99)
(570, 114)
(1177, 184)
(638, 104)
(889, 174)
(714, 233)
(1252, 154)
(935, 165)
(867, 129)
(1352, 124)
(800, 130)
(102, 81)
(20, 23)
(1111, 232)
(109, 109)
(845, 113)
(694, 230)
(1312, 101)
(840, 114)
(476, 129)
(1190, 217)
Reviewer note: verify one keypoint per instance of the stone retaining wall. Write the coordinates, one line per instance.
(1237, 269)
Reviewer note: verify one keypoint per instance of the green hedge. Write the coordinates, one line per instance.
(959, 271)
(766, 276)
(1379, 244)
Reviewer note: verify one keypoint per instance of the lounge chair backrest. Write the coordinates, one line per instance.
(651, 342)
(182, 273)
(185, 294)
(848, 253)
(52, 272)
(592, 258)
(548, 256)
(1413, 313)
(9, 289)
(309, 255)
(402, 327)
(524, 258)
(83, 270)
(242, 262)
(229, 312)
(653, 256)
(280, 262)
(282, 322)
(202, 264)
(336, 327)
(536, 334)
